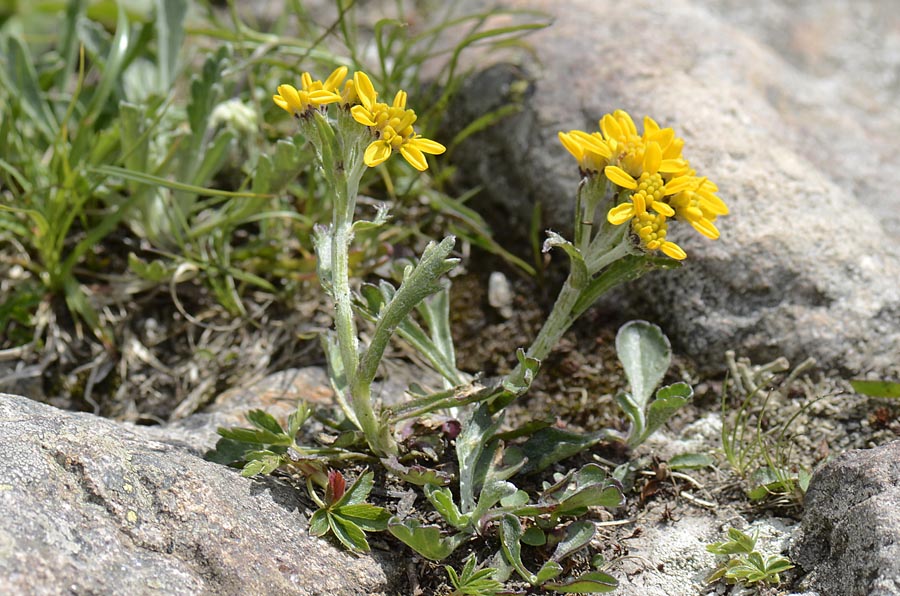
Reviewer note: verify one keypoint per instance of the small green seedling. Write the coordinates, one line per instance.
(882, 389)
(473, 582)
(344, 511)
(745, 564)
(645, 354)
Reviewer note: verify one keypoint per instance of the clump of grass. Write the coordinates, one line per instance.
(140, 176)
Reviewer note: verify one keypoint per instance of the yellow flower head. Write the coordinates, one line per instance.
(591, 150)
(699, 205)
(392, 126)
(650, 191)
(628, 147)
(656, 182)
(312, 94)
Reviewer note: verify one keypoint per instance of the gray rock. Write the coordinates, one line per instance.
(784, 116)
(849, 539)
(91, 506)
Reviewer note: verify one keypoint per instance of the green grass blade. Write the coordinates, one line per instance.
(21, 80)
(112, 69)
(68, 49)
(169, 37)
(172, 185)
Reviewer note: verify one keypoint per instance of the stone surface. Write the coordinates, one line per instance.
(849, 539)
(670, 558)
(788, 107)
(90, 506)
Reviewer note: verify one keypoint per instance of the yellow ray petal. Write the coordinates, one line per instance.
(376, 153)
(335, 79)
(640, 205)
(322, 97)
(677, 185)
(673, 150)
(625, 122)
(362, 115)
(663, 136)
(415, 157)
(650, 126)
(663, 208)
(672, 166)
(652, 158)
(572, 146)
(712, 203)
(619, 176)
(611, 129)
(706, 227)
(670, 249)
(620, 214)
(282, 103)
(427, 146)
(291, 96)
(364, 89)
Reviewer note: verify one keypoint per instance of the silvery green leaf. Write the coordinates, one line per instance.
(691, 461)
(534, 536)
(668, 401)
(593, 582)
(169, 37)
(492, 493)
(635, 413)
(576, 259)
(476, 431)
(417, 285)
(442, 500)
(510, 536)
(550, 445)
(425, 540)
(435, 311)
(415, 474)
(645, 354)
(578, 534)
(527, 369)
(548, 571)
(336, 373)
(382, 215)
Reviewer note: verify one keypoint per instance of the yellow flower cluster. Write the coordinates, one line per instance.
(657, 182)
(392, 125)
(312, 94)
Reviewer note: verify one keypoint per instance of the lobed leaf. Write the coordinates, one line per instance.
(594, 582)
(425, 540)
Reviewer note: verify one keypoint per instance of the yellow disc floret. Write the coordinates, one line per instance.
(651, 229)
